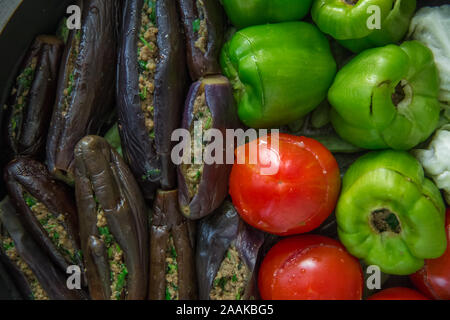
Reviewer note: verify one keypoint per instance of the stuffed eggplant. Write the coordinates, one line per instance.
(86, 81)
(32, 274)
(204, 24)
(172, 265)
(30, 103)
(151, 86)
(227, 252)
(203, 186)
(113, 222)
(47, 210)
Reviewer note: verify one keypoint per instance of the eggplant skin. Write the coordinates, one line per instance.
(102, 178)
(24, 175)
(93, 85)
(166, 222)
(149, 158)
(50, 277)
(216, 233)
(213, 185)
(27, 126)
(205, 63)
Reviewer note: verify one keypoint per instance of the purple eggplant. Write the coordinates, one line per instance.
(86, 84)
(204, 24)
(203, 187)
(31, 270)
(30, 104)
(172, 265)
(227, 254)
(113, 221)
(47, 210)
(151, 84)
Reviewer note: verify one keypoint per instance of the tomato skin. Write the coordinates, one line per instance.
(310, 267)
(295, 200)
(434, 278)
(398, 293)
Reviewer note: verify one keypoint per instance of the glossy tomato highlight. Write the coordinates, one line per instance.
(434, 278)
(398, 293)
(298, 198)
(310, 267)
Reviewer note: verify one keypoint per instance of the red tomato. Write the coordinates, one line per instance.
(310, 267)
(398, 293)
(434, 278)
(298, 198)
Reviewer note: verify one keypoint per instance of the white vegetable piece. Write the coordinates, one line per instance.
(431, 26)
(436, 160)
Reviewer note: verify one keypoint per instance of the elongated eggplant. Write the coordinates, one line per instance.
(205, 26)
(30, 103)
(227, 253)
(113, 222)
(47, 209)
(86, 84)
(13, 283)
(34, 274)
(172, 265)
(151, 85)
(204, 186)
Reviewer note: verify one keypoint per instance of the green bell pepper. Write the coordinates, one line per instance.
(389, 214)
(350, 21)
(279, 72)
(387, 97)
(244, 13)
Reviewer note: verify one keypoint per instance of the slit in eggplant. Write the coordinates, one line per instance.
(71, 67)
(116, 259)
(56, 228)
(193, 172)
(9, 248)
(200, 27)
(22, 90)
(171, 271)
(148, 59)
(231, 279)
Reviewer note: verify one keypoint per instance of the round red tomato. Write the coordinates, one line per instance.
(294, 198)
(398, 293)
(310, 267)
(434, 278)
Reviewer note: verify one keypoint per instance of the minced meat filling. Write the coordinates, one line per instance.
(148, 59)
(71, 67)
(22, 90)
(200, 27)
(10, 250)
(171, 272)
(230, 281)
(193, 172)
(56, 228)
(117, 267)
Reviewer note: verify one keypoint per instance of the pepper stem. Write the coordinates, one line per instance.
(384, 220)
(351, 2)
(402, 95)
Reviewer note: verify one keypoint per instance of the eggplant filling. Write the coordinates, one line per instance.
(148, 59)
(38, 293)
(70, 81)
(56, 228)
(116, 258)
(171, 271)
(231, 279)
(193, 172)
(22, 90)
(200, 27)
